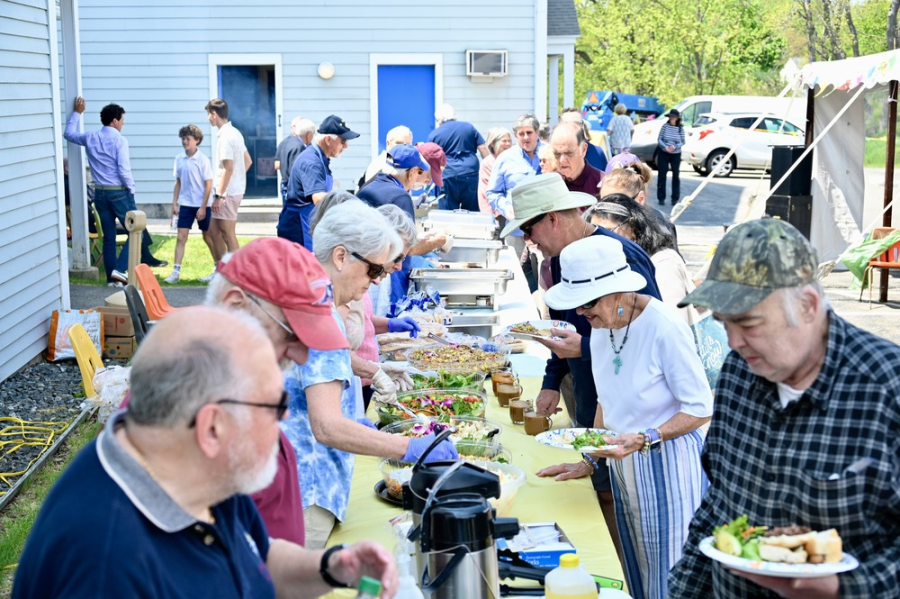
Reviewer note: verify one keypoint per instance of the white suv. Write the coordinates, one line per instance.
(717, 133)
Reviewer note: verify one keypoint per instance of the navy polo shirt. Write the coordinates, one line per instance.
(582, 377)
(287, 152)
(460, 141)
(309, 175)
(108, 530)
(385, 189)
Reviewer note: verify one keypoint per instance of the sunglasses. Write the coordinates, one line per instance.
(590, 304)
(527, 227)
(280, 407)
(375, 270)
(399, 259)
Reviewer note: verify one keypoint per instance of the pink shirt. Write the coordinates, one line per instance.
(368, 349)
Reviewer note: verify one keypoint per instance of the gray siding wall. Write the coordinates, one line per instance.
(29, 220)
(152, 58)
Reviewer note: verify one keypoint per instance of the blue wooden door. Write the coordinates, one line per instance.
(405, 97)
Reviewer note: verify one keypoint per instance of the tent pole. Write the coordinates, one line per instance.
(887, 217)
(810, 115)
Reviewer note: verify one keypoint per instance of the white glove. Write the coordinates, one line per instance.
(384, 386)
(448, 245)
(399, 376)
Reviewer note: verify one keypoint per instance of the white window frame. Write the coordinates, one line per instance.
(376, 60)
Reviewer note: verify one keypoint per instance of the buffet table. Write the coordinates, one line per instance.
(571, 504)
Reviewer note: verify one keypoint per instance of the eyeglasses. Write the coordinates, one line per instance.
(399, 259)
(375, 270)
(590, 304)
(284, 326)
(280, 407)
(527, 227)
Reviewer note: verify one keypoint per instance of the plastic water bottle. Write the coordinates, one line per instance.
(174, 222)
(408, 587)
(369, 588)
(569, 580)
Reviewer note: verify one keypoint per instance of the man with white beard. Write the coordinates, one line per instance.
(157, 505)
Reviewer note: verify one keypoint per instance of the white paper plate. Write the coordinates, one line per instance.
(556, 438)
(538, 324)
(778, 570)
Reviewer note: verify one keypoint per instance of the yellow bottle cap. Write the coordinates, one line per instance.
(569, 560)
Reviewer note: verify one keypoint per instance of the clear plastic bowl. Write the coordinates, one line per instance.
(512, 480)
(388, 414)
(438, 379)
(395, 473)
(405, 427)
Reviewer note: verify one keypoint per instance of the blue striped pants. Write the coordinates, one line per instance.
(655, 497)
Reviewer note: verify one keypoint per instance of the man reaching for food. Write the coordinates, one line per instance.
(806, 428)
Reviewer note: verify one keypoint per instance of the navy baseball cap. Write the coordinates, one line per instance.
(336, 126)
(405, 156)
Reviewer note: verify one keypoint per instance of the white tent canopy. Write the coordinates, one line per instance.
(838, 185)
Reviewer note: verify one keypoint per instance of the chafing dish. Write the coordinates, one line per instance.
(461, 224)
(474, 251)
(464, 287)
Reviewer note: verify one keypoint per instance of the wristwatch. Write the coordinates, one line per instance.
(323, 569)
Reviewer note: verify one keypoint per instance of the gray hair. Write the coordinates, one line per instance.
(357, 227)
(526, 120)
(444, 113)
(620, 108)
(304, 126)
(169, 387)
(331, 199)
(792, 296)
(392, 171)
(402, 223)
(332, 136)
(574, 128)
(400, 132)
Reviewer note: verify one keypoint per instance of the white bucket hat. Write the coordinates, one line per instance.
(592, 268)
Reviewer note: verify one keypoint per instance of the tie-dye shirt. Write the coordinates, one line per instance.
(324, 472)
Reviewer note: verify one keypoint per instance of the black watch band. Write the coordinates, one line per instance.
(323, 569)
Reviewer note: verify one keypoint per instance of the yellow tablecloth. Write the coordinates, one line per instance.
(572, 504)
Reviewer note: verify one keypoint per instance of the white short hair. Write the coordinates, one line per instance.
(444, 113)
(399, 134)
(402, 223)
(359, 228)
(320, 136)
(304, 126)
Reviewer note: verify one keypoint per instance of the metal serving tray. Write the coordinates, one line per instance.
(475, 251)
(462, 224)
(462, 281)
(480, 324)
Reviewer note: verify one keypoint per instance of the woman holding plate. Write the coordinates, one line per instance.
(653, 392)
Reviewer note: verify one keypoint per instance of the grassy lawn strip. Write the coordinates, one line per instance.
(18, 517)
(197, 261)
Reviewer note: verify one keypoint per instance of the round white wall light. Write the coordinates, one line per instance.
(326, 70)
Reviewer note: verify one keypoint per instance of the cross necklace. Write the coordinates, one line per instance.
(617, 361)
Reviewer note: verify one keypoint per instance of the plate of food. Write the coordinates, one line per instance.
(580, 439)
(447, 380)
(781, 551)
(433, 403)
(534, 329)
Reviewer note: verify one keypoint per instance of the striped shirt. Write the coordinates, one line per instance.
(671, 135)
(827, 460)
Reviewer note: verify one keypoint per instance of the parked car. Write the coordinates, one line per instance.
(716, 134)
(643, 144)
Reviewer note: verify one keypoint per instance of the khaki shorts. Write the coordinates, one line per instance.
(318, 524)
(229, 208)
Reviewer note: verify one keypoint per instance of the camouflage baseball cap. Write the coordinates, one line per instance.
(753, 260)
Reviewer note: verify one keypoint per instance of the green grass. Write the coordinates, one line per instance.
(197, 261)
(876, 151)
(18, 517)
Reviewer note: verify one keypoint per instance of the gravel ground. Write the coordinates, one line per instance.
(44, 392)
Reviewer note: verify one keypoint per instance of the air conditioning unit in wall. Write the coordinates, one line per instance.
(487, 63)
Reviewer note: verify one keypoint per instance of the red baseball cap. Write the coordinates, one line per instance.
(288, 275)
(434, 155)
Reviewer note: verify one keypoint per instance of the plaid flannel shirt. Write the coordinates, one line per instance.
(782, 466)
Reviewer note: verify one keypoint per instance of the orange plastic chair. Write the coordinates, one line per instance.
(889, 259)
(86, 355)
(154, 299)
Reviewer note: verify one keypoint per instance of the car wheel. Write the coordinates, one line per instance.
(715, 161)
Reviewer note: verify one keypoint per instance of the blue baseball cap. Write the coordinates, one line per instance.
(336, 126)
(405, 156)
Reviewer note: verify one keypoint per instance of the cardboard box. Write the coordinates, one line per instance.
(116, 321)
(119, 348)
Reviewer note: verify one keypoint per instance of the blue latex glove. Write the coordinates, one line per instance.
(366, 422)
(404, 324)
(417, 446)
